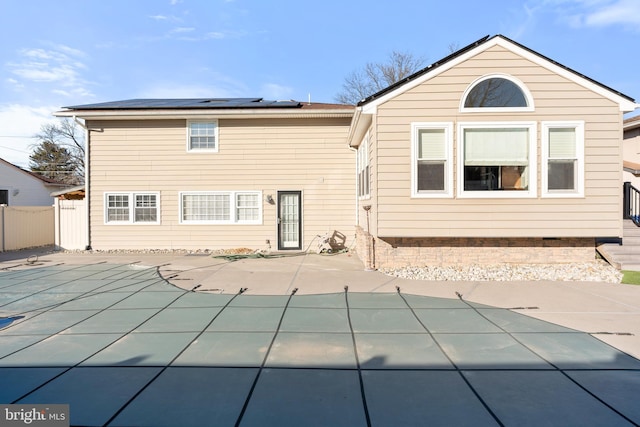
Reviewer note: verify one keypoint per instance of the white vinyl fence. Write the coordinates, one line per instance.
(71, 224)
(26, 227)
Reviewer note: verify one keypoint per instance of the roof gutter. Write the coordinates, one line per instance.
(359, 126)
(181, 114)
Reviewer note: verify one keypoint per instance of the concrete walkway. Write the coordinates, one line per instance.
(110, 337)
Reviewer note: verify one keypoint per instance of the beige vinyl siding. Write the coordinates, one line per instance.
(266, 155)
(555, 99)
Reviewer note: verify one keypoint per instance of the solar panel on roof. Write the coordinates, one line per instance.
(129, 104)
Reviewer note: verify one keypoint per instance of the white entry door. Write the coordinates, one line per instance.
(289, 220)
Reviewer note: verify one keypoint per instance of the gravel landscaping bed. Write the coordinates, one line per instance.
(597, 271)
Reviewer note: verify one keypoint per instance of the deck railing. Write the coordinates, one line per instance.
(631, 203)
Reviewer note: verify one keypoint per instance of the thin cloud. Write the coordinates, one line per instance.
(165, 18)
(219, 35)
(182, 30)
(223, 87)
(19, 123)
(191, 34)
(276, 91)
(596, 13)
(58, 65)
(69, 50)
(75, 93)
(622, 12)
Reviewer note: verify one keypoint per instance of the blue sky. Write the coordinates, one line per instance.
(63, 52)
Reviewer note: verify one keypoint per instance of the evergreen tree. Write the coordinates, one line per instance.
(53, 162)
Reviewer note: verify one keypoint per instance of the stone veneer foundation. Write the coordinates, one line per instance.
(404, 251)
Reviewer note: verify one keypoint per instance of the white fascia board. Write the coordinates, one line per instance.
(182, 114)
(625, 104)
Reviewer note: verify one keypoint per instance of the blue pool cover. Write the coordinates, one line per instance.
(123, 347)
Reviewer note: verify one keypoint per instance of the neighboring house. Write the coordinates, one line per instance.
(631, 151)
(217, 173)
(494, 154)
(19, 187)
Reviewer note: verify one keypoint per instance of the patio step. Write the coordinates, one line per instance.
(625, 256)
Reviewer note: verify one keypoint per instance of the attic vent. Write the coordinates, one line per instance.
(206, 101)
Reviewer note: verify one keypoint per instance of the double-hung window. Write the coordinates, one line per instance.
(363, 168)
(431, 164)
(202, 135)
(247, 207)
(221, 207)
(132, 208)
(563, 159)
(497, 159)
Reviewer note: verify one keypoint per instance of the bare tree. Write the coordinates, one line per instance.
(375, 76)
(62, 137)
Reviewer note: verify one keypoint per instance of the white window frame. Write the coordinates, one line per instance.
(131, 197)
(578, 125)
(532, 167)
(214, 122)
(233, 208)
(363, 168)
(416, 127)
(530, 106)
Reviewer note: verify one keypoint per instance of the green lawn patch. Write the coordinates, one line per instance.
(631, 277)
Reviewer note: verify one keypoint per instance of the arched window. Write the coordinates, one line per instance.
(497, 92)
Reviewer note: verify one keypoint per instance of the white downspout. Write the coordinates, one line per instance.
(355, 150)
(87, 197)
